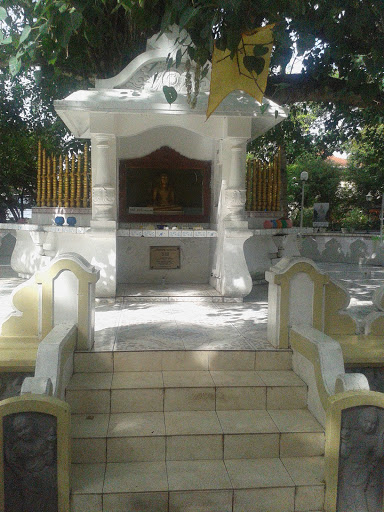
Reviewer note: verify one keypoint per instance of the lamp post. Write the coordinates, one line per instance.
(303, 179)
(369, 197)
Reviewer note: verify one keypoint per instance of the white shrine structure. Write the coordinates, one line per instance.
(136, 137)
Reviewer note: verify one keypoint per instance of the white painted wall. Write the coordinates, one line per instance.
(257, 250)
(181, 140)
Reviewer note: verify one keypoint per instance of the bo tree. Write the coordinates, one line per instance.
(341, 41)
(340, 44)
(365, 169)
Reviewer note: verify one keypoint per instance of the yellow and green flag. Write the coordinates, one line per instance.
(247, 71)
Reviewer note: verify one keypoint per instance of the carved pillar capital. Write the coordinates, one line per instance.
(234, 201)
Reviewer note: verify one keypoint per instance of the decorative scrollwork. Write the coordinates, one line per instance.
(103, 195)
(153, 77)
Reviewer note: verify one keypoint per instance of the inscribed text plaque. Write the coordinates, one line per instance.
(165, 257)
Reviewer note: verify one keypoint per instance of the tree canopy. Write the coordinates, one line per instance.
(366, 165)
(340, 42)
(26, 116)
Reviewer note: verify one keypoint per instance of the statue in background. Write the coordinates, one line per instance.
(163, 195)
(360, 485)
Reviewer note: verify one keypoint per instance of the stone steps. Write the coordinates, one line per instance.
(238, 485)
(193, 431)
(190, 435)
(188, 390)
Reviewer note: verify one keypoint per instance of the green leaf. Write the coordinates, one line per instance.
(76, 20)
(165, 22)
(3, 13)
(170, 94)
(178, 57)
(221, 44)
(204, 73)
(187, 15)
(65, 35)
(25, 33)
(169, 62)
(255, 64)
(259, 50)
(263, 108)
(191, 52)
(7, 40)
(14, 65)
(43, 29)
(52, 60)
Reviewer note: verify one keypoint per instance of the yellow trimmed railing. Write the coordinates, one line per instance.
(63, 181)
(263, 180)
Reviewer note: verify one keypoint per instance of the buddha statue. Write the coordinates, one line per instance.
(163, 195)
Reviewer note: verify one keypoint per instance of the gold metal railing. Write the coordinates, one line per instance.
(263, 185)
(63, 181)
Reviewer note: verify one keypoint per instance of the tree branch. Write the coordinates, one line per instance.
(288, 89)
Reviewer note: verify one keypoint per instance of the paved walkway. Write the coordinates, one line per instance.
(127, 324)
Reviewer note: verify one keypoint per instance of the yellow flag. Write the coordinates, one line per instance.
(247, 71)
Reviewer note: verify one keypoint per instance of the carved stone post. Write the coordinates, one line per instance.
(104, 189)
(232, 277)
(235, 194)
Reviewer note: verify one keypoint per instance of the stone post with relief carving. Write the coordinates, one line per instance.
(103, 181)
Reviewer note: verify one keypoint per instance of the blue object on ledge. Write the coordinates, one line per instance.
(59, 221)
(71, 221)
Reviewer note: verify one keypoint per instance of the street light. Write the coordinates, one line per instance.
(369, 197)
(303, 179)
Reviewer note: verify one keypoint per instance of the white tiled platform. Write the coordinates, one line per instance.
(167, 292)
(180, 318)
(190, 318)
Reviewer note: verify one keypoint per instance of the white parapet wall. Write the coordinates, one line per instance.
(318, 360)
(54, 363)
(36, 245)
(359, 248)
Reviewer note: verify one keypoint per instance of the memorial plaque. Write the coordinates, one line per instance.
(166, 257)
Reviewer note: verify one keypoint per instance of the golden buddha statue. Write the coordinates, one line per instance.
(163, 195)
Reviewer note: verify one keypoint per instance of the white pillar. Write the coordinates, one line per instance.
(104, 212)
(235, 193)
(102, 159)
(232, 277)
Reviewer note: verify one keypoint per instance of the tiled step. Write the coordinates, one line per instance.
(180, 360)
(190, 435)
(98, 393)
(289, 484)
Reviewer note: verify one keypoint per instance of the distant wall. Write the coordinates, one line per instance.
(342, 248)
